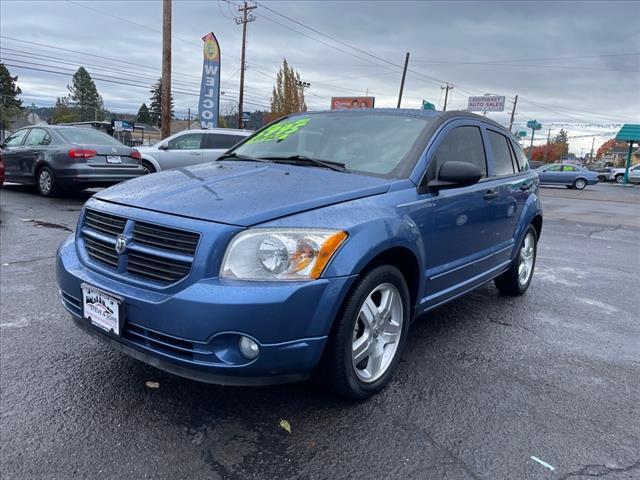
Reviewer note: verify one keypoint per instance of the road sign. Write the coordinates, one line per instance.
(246, 116)
(534, 125)
(522, 133)
(428, 105)
(486, 103)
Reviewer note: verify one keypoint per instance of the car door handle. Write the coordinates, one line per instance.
(492, 193)
(195, 153)
(526, 186)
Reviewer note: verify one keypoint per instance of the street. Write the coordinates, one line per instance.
(485, 384)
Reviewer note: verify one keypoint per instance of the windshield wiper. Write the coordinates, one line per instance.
(235, 156)
(301, 159)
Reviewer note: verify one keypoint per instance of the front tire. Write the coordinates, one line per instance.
(517, 279)
(46, 182)
(620, 179)
(148, 168)
(369, 335)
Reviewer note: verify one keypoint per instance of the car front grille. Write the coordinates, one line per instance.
(158, 253)
(165, 238)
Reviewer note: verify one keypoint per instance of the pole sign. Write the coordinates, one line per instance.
(522, 133)
(534, 125)
(428, 105)
(209, 105)
(486, 103)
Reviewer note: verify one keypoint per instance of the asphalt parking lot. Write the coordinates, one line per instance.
(485, 384)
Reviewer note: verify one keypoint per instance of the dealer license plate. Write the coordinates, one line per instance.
(101, 309)
(114, 159)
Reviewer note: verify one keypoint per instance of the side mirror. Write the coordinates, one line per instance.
(456, 174)
(164, 146)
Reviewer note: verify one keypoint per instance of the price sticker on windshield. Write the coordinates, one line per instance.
(279, 131)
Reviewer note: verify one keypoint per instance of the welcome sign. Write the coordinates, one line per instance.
(209, 106)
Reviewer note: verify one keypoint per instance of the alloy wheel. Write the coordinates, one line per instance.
(44, 181)
(377, 332)
(580, 184)
(527, 255)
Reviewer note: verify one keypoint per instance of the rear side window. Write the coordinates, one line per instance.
(221, 140)
(569, 168)
(521, 158)
(190, 141)
(502, 161)
(38, 136)
(16, 139)
(462, 144)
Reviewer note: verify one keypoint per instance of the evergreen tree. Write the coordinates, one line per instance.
(143, 114)
(561, 137)
(84, 96)
(62, 113)
(287, 96)
(10, 104)
(156, 104)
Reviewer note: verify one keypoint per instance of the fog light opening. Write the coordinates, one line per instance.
(248, 348)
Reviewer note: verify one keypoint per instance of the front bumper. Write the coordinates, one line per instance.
(193, 332)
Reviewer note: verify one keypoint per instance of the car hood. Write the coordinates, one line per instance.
(242, 193)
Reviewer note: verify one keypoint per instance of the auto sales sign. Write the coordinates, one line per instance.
(209, 106)
(486, 103)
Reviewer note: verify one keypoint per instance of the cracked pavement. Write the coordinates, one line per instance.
(484, 384)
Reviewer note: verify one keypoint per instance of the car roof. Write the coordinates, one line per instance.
(442, 117)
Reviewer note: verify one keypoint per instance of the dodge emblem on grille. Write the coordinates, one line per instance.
(121, 244)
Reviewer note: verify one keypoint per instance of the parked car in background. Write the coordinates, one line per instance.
(617, 174)
(57, 158)
(604, 174)
(190, 147)
(309, 247)
(1, 169)
(572, 176)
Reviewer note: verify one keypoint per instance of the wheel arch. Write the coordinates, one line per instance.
(149, 159)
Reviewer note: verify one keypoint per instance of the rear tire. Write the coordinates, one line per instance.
(580, 183)
(46, 182)
(369, 335)
(620, 178)
(517, 279)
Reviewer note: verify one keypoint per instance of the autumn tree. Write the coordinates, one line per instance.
(10, 103)
(84, 96)
(143, 114)
(287, 96)
(605, 147)
(156, 104)
(62, 113)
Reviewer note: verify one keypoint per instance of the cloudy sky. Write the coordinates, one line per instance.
(574, 65)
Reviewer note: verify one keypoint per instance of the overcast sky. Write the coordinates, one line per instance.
(570, 63)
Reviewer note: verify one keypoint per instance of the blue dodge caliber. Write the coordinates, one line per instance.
(307, 248)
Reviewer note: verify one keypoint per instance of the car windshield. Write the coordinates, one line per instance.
(87, 136)
(365, 142)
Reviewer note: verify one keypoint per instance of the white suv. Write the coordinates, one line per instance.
(190, 147)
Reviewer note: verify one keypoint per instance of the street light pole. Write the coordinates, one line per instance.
(246, 18)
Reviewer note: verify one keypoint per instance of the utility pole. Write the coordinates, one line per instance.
(165, 110)
(404, 75)
(246, 18)
(189, 118)
(513, 112)
(593, 144)
(446, 89)
(547, 146)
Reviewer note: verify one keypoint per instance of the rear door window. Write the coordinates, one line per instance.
(569, 168)
(462, 144)
(38, 137)
(221, 140)
(502, 161)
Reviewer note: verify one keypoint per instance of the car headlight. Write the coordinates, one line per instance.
(280, 253)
